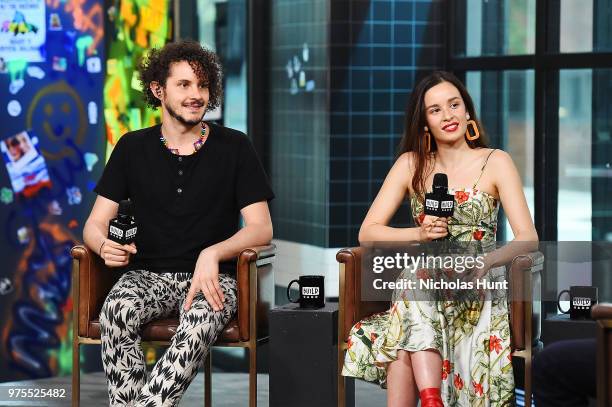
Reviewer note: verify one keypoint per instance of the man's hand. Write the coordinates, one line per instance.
(115, 254)
(206, 279)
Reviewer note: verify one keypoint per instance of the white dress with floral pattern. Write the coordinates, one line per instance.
(473, 338)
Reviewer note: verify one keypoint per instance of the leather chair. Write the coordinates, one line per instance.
(602, 313)
(525, 315)
(92, 281)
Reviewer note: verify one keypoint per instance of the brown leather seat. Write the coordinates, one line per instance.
(92, 280)
(525, 315)
(162, 330)
(602, 313)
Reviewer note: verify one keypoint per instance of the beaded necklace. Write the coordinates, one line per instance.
(196, 145)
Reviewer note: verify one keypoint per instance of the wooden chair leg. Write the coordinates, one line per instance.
(207, 380)
(253, 374)
(341, 379)
(527, 382)
(76, 373)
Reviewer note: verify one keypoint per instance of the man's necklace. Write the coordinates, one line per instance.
(196, 145)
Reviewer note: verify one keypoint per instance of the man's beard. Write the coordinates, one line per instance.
(180, 118)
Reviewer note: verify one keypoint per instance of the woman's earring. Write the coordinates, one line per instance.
(427, 141)
(468, 134)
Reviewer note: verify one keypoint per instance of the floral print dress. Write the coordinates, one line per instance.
(472, 336)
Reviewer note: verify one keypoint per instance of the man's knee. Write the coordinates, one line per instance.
(548, 360)
(202, 322)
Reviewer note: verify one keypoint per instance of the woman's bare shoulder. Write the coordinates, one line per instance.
(404, 168)
(502, 169)
(405, 164)
(407, 160)
(499, 158)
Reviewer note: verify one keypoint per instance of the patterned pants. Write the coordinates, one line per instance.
(139, 297)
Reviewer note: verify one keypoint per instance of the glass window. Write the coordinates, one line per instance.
(585, 148)
(493, 27)
(504, 104)
(584, 25)
(220, 25)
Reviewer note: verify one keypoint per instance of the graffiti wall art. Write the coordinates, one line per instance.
(52, 57)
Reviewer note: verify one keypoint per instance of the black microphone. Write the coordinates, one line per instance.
(123, 228)
(439, 202)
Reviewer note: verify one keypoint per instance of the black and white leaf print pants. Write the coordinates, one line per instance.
(139, 297)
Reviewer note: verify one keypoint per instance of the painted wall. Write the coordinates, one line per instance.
(135, 26)
(53, 142)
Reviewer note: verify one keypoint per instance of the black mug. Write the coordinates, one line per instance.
(312, 291)
(582, 299)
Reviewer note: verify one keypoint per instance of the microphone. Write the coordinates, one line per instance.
(123, 228)
(439, 202)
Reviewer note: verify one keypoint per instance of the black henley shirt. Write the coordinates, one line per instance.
(183, 203)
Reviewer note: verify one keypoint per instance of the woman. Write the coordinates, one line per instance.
(453, 353)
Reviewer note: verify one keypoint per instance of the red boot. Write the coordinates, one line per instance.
(430, 397)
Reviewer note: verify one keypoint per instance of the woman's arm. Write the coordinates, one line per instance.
(375, 225)
(508, 183)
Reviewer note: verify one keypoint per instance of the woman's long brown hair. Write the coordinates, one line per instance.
(413, 138)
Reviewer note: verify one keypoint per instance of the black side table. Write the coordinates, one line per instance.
(560, 327)
(303, 355)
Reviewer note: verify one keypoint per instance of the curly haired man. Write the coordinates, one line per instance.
(189, 182)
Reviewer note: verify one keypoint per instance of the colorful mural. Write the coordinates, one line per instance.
(54, 79)
(136, 27)
(51, 95)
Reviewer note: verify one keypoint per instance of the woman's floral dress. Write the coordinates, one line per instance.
(473, 337)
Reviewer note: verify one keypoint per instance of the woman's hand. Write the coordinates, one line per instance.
(482, 270)
(115, 254)
(433, 228)
(479, 271)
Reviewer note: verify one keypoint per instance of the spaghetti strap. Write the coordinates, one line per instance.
(482, 169)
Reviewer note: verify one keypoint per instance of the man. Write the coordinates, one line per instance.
(564, 374)
(189, 182)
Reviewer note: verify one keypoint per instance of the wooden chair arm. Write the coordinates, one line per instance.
(352, 308)
(602, 311)
(92, 281)
(261, 258)
(524, 287)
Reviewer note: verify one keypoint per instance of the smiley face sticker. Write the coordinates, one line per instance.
(58, 113)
